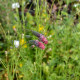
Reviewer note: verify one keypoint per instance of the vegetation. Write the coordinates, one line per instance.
(39, 40)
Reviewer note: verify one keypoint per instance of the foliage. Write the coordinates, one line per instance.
(21, 56)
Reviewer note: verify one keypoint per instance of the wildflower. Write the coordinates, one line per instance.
(22, 42)
(44, 15)
(15, 5)
(20, 76)
(54, 9)
(49, 36)
(25, 46)
(41, 37)
(32, 46)
(6, 75)
(16, 43)
(37, 43)
(36, 33)
(76, 5)
(14, 28)
(45, 33)
(46, 19)
(20, 64)
(43, 10)
(41, 28)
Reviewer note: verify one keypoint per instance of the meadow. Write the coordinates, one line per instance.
(39, 40)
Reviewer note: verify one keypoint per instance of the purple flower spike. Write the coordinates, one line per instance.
(37, 43)
(36, 33)
(41, 37)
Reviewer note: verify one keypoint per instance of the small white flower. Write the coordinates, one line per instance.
(22, 36)
(15, 5)
(76, 5)
(16, 43)
(49, 36)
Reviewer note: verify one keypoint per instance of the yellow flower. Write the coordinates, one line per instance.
(22, 42)
(45, 33)
(20, 64)
(25, 46)
(43, 10)
(14, 27)
(43, 15)
(20, 76)
(41, 28)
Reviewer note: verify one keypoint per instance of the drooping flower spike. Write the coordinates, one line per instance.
(37, 43)
(41, 37)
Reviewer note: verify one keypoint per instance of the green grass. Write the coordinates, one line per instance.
(60, 60)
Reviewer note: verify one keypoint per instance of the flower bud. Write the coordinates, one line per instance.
(37, 43)
(36, 33)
